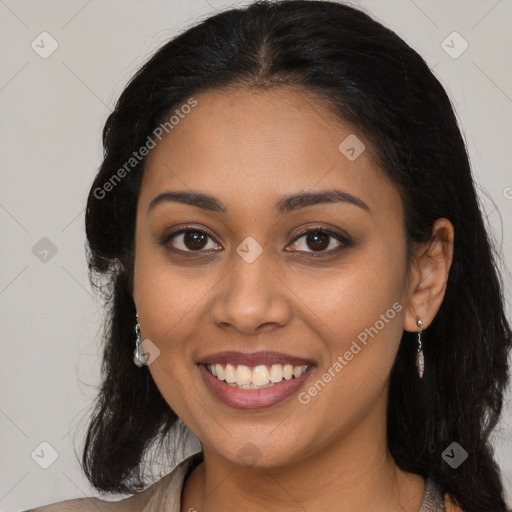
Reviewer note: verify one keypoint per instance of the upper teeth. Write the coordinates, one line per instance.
(261, 375)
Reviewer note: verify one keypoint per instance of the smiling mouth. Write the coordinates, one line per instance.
(257, 377)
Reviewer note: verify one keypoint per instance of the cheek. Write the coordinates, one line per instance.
(359, 318)
(347, 300)
(167, 303)
(165, 300)
(166, 295)
(358, 311)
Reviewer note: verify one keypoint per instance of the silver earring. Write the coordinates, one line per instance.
(420, 359)
(138, 354)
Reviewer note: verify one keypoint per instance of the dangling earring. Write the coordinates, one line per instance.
(138, 354)
(420, 359)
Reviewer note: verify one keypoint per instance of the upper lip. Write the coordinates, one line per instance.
(266, 357)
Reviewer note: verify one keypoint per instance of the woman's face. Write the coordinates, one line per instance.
(248, 287)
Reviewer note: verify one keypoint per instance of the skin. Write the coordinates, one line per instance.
(249, 148)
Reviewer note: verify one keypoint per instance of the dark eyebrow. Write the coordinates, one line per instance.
(283, 205)
(300, 200)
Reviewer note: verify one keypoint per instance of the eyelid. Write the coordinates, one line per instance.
(188, 228)
(343, 237)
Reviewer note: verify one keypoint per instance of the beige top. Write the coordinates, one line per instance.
(165, 496)
(162, 496)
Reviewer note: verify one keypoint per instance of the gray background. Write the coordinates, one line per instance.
(53, 111)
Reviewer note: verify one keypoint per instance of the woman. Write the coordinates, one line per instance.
(286, 219)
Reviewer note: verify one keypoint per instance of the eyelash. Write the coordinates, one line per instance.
(345, 241)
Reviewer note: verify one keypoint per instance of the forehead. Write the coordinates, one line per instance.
(247, 146)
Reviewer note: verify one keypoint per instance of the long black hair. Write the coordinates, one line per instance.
(370, 78)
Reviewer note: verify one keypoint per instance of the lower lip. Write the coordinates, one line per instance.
(252, 398)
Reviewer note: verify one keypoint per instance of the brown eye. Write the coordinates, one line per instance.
(189, 240)
(319, 240)
(194, 240)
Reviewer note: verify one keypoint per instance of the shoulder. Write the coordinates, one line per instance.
(134, 503)
(77, 505)
(167, 490)
(131, 504)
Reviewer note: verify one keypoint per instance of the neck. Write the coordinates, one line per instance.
(354, 473)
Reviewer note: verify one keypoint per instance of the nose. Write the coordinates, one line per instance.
(252, 298)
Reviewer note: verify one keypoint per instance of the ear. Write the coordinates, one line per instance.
(428, 275)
